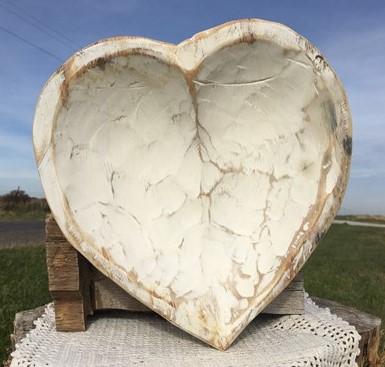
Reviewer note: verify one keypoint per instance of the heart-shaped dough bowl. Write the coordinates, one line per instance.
(199, 177)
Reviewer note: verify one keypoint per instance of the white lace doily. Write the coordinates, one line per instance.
(315, 339)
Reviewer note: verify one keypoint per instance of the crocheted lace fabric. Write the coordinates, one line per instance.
(317, 338)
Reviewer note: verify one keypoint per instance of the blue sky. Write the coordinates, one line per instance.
(351, 34)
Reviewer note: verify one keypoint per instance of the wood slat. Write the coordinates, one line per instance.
(108, 295)
(69, 280)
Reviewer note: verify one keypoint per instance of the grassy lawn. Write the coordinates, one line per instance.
(23, 285)
(348, 267)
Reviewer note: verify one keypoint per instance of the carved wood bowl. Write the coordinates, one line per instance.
(198, 177)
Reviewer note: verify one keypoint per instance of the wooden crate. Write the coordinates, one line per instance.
(78, 289)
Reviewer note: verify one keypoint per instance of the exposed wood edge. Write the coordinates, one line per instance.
(368, 326)
(23, 323)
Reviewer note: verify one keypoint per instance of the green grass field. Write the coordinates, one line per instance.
(348, 267)
(23, 285)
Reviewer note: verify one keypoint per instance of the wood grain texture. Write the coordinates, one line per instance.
(108, 295)
(68, 280)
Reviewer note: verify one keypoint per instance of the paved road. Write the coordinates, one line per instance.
(21, 233)
(365, 224)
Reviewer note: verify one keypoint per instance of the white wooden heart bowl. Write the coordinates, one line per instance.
(200, 176)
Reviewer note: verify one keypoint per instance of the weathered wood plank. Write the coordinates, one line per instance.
(108, 295)
(291, 301)
(68, 280)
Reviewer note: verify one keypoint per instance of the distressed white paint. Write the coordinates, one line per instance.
(199, 176)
